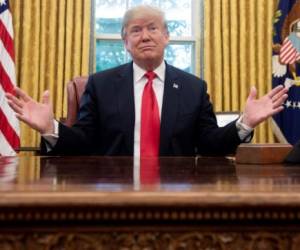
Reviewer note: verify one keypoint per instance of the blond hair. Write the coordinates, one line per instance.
(142, 11)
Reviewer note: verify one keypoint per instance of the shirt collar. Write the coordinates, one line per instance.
(138, 72)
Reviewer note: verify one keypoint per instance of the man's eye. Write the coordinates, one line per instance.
(135, 30)
(153, 28)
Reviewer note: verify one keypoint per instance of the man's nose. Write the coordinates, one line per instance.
(145, 34)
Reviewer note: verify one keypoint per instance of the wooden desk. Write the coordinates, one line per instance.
(98, 203)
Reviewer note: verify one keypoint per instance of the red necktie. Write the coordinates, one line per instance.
(150, 134)
(150, 122)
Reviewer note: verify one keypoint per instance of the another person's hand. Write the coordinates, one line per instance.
(258, 110)
(38, 116)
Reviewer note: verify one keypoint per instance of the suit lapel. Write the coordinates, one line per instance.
(169, 108)
(125, 94)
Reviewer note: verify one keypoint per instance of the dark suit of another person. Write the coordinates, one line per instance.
(106, 118)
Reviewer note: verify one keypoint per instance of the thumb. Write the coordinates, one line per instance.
(252, 94)
(46, 97)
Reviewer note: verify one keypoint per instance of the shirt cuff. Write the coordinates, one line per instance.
(244, 131)
(51, 139)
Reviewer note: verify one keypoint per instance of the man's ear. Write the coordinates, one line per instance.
(125, 43)
(167, 37)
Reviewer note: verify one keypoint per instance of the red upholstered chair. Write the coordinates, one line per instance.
(75, 89)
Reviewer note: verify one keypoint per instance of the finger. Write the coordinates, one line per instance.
(9, 96)
(276, 110)
(46, 97)
(14, 100)
(252, 94)
(280, 101)
(279, 95)
(15, 107)
(274, 91)
(19, 92)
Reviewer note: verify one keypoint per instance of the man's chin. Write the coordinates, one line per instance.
(148, 62)
(148, 56)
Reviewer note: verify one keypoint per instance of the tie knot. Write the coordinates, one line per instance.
(150, 75)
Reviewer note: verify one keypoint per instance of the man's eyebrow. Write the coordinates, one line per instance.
(135, 26)
(147, 24)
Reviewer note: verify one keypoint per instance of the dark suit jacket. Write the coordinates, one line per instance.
(106, 118)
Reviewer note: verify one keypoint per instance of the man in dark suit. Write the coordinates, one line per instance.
(111, 120)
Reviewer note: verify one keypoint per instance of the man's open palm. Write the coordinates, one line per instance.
(258, 110)
(37, 115)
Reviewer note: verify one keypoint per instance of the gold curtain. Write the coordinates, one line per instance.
(237, 54)
(52, 40)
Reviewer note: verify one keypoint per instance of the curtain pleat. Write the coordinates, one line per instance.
(52, 46)
(237, 54)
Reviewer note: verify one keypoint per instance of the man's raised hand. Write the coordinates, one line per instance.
(38, 116)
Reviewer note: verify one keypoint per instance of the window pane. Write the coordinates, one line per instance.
(138, 2)
(180, 55)
(109, 54)
(179, 16)
(108, 16)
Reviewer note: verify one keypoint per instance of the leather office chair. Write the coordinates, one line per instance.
(75, 89)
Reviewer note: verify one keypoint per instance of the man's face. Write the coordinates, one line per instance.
(146, 39)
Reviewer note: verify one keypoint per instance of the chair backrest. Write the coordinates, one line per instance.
(75, 89)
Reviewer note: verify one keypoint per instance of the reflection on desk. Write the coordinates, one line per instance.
(100, 203)
(95, 170)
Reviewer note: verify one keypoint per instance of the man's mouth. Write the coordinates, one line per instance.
(146, 48)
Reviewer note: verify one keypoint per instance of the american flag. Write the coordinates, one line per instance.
(286, 66)
(9, 124)
(289, 53)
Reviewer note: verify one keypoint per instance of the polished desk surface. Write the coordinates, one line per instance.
(101, 203)
(108, 180)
